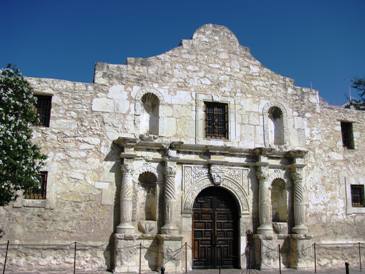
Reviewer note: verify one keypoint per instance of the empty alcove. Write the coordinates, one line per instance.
(276, 126)
(147, 197)
(279, 201)
(150, 114)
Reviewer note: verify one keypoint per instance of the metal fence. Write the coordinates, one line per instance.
(73, 250)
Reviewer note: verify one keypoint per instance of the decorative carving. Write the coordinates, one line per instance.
(216, 175)
(170, 171)
(197, 178)
(199, 172)
(147, 227)
(127, 253)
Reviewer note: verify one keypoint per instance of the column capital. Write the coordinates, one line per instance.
(262, 173)
(127, 168)
(170, 169)
(296, 173)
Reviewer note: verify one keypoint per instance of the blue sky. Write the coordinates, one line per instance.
(318, 42)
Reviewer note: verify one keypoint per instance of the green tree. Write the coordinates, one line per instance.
(20, 159)
(359, 85)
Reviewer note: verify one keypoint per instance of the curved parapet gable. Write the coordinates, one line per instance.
(215, 36)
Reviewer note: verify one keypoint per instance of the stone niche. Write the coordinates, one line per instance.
(279, 203)
(147, 203)
(149, 121)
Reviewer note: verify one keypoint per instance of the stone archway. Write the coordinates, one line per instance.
(215, 229)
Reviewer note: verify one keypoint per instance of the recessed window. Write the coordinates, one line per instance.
(347, 135)
(39, 192)
(216, 120)
(44, 109)
(357, 196)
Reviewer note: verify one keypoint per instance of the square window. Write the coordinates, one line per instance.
(43, 106)
(216, 120)
(39, 192)
(347, 135)
(357, 195)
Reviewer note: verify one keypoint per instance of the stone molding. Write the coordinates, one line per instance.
(197, 178)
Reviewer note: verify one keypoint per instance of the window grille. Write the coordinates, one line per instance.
(216, 120)
(357, 195)
(40, 191)
(44, 109)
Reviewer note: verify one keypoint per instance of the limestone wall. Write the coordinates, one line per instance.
(84, 165)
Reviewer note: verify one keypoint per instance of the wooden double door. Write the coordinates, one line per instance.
(215, 230)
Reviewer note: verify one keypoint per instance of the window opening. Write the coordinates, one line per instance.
(357, 196)
(43, 107)
(216, 120)
(347, 135)
(39, 192)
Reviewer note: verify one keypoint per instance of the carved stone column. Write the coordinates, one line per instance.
(126, 201)
(299, 227)
(265, 217)
(170, 199)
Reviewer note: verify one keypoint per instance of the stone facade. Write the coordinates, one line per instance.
(128, 155)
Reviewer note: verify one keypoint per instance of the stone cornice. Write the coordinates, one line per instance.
(131, 147)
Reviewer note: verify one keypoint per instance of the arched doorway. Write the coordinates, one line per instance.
(215, 229)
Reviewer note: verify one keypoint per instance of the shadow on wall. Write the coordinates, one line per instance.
(114, 156)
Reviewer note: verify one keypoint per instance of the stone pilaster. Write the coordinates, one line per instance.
(299, 226)
(265, 217)
(170, 199)
(126, 201)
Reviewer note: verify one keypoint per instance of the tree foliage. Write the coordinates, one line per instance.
(20, 159)
(359, 85)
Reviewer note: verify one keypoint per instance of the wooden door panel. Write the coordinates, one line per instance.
(215, 231)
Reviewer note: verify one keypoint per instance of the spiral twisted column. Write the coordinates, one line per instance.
(299, 227)
(265, 217)
(170, 199)
(126, 201)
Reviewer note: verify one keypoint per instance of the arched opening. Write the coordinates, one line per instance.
(215, 229)
(279, 203)
(148, 200)
(276, 126)
(150, 114)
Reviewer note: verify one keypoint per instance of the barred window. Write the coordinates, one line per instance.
(216, 120)
(357, 195)
(44, 109)
(40, 191)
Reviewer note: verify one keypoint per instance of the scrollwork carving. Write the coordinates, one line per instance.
(197, 178)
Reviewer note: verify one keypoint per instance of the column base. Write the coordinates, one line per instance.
(172, 252)
(126, 228)
(300, 229)
(266, 252)
(131, 249)
(301, 251)
(169, 230)
(266, 230)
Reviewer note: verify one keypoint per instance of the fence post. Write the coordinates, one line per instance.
(75, 258)
(140, 258)
(315, 258)
(279, 259)
(186, 257)
(347, 267)
(220, 259)
(360, 256)
(6, 256)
